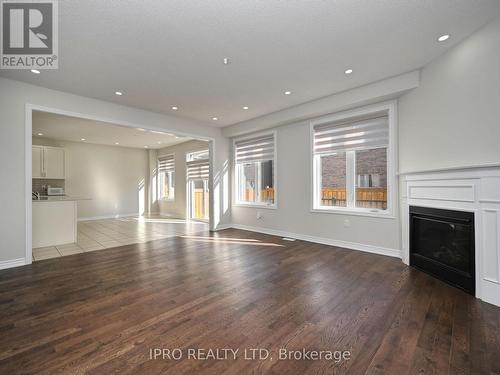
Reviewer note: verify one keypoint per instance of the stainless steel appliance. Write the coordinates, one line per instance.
(55, 191)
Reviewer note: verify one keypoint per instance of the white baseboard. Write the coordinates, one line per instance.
(223, 226)
(4, 264)
(325, 241)
(89, 218)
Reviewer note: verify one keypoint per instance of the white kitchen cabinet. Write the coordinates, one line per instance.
(48, 162)
(53, 162)
(37, 161)
(54, 223)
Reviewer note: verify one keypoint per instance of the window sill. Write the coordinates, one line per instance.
(167, 199)
(257, 205)
(355, 212)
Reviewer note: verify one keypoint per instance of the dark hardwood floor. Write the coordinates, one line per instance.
(102, 312)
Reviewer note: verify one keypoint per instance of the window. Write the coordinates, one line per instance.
(351, 163)
(254, 171)
(198, 155)
(166, 177)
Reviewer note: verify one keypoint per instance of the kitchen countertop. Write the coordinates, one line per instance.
(59, 198)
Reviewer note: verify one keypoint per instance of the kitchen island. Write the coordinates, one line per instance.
(54, 220)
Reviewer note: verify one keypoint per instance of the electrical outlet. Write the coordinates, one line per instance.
(259, 215)
(347, 223)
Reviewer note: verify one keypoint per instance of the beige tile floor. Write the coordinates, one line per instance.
(102, 234)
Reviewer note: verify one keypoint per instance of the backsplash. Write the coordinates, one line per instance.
(40, 185)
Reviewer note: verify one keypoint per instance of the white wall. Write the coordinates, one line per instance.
(177, 207)
(115, 178)
(453, 118)
(13, 99)
(294, 191)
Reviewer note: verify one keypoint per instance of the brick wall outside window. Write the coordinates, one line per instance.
(367, 162)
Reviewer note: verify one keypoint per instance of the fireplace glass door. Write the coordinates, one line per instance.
(442, 243)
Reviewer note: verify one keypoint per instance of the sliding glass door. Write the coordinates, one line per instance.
(197, 185)
(198, 197)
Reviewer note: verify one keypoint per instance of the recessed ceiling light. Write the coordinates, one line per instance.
(34, 71)
(83, 139)
(214, 118)
(245, 107)
(348, 71)
(119, 93)
(175, 108)
(146, 146)
(225, 60)
(159, 142)
(288, 92)
(444, 37)
(40, 134)
(116, 143)
(141, 129)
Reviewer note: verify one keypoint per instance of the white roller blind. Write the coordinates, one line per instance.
(351, 135)
(198, 169)
(166, 163)
(254, 149)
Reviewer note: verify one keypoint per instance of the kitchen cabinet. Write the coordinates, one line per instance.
(54, 223)
(37, 161)
(48, 162)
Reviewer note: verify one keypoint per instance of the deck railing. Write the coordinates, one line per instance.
(199, 204)
(365, 197)
(266, 195)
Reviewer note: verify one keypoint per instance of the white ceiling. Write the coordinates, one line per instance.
(67, 128)
(169, 53)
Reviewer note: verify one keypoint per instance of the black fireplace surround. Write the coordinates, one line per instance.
(442, 244)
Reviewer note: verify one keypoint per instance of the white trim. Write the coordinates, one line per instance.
(321, 240)
(256, 205)
(4, 264)
(392, 161)
(452, 168)
(381, 214)
(223, 227)
(28, 142)
(236, 202)
(117, 216)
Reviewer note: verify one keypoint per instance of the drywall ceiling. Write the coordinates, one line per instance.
(65, 128)
(170, 53)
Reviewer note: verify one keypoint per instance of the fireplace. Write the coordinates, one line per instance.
(442, 244)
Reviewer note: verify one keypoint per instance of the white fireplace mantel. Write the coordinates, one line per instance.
(472, 189)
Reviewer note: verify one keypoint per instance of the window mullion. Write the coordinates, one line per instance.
(239, 182)
(351, 178)
(258, 182)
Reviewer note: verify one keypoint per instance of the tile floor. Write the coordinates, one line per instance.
(102, 234)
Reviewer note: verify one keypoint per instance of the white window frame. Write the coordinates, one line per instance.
(158, 179)
(236, 184)
(392, 182)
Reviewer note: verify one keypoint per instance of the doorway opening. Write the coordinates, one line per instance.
(59, 146)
